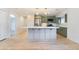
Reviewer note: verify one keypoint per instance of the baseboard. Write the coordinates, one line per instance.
(73, 41)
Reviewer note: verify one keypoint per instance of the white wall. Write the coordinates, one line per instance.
(4, 24)
(20, 23)
(5, 20)
(73, 24)
(30, 20)
(17, 23)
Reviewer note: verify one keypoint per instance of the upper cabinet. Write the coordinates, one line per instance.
(62, 19)
(44, 18)
(52, 19)
(37, 20)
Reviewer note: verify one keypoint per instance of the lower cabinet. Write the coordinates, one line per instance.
(50, 34)
(31, 34)
(47, 34)
(44, 34)
(36, 34)
(62, 31)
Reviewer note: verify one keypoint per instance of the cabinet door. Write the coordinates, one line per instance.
(36, 34)
(30, 34)
(42, 35)
(47, 34)
(52, 34)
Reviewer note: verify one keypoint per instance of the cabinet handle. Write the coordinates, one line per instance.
(50, 29)
(38, 29)
(32, 29)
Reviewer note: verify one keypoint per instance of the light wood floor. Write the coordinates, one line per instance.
(20, 42)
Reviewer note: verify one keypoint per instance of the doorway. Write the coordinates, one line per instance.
(12, 25)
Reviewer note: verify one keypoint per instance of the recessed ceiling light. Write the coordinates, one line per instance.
(45, 13)
(37, 8)
(45, 8)
(37, 13)
(57, 9)
(12, 15)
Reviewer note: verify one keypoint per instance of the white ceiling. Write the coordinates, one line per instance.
(26, 11)
(50, 11)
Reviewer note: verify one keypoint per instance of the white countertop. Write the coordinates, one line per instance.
(63, 25)
(40, 27)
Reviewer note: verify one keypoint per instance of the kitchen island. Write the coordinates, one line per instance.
(42, 34)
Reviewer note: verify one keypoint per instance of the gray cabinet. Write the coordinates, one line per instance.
(62, 31)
